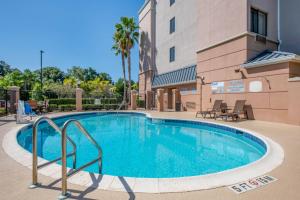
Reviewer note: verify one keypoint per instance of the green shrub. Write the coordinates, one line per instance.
(111, 106)
(2, 111)
(140, 103)
(88, 101)
(52, 107)
(66, 101)
(67, 107)
(92, 107)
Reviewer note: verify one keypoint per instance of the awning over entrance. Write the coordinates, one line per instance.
(271, 57)
(177, 77)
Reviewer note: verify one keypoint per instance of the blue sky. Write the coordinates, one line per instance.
(71, 32)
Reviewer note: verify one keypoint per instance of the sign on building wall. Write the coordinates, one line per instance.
(217, 87)
(236, 86)
(186, 91)
(255, 86)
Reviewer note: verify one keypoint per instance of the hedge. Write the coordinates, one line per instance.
(100, 107)
(67, 107)
(140, 103)
(66, 101)
(92, 107)
(72, 101)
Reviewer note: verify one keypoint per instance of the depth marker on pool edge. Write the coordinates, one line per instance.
(252, 184)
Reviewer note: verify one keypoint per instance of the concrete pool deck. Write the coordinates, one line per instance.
(15, 178)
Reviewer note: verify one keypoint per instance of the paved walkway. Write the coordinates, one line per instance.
(14, 178)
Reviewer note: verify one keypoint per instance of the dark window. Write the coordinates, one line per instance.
(172, 54)
(258, 22)
(172, 25)
(172, 2)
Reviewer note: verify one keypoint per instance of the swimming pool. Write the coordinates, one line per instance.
(137, 146)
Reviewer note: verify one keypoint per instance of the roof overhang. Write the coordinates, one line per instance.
(174, 84)
(291, 58)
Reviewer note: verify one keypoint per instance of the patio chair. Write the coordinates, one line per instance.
(33, 104)
(24, 110)
(28, 110)
(235, 114)
(216, 108)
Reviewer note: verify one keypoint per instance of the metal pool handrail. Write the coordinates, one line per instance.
(35, 165)
(65, 174)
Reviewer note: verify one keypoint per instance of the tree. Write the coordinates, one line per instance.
(4, 68)
(105, 77)
(89, 74)
(51, 75)
(129, 30)
(119, 87)
(30, 78)
(14, 78)
(61, 90)
(120, 48)
(82, 74)
(76, 72)
(70, 82)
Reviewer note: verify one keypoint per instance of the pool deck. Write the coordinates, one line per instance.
(15, 178)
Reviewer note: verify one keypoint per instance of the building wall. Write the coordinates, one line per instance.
(147, 47)
(290, 26)
(269, 7)
(220, 20)
(294, 96)
(221, 64)
(185, 38)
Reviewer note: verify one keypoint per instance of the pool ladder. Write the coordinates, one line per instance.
(63, 158)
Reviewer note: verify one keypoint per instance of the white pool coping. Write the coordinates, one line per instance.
(272, 159)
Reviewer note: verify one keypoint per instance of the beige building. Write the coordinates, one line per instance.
(193, 52)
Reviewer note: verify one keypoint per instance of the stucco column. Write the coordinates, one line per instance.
(133, 97)
(149, 99)
(14, 93)
(175, 98)
(160, 100)
(79, 92)
(293, 103)
(166, 101)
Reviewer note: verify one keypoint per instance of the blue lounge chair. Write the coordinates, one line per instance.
(28, 110)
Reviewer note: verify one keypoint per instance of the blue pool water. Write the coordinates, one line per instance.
(136, 146)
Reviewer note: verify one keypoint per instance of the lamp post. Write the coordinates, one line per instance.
(202, 78)
(41, 76)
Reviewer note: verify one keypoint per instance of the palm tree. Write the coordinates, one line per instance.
(120, 48)
(129, 29)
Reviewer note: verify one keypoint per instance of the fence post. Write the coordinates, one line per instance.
(79, 92)
(14, 93)
(133, 99)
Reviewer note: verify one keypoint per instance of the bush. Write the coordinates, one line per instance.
(69, 104)
(66, 101)
(92, 107)
(67, 107)
(2, 111)
(52, 107)
(88, 101)
(140, 103)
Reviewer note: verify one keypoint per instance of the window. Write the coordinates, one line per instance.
(172, 25)
(172, 54)
(172, 2)
(258, 22)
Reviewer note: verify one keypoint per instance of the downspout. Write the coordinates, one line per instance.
(279, 24)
